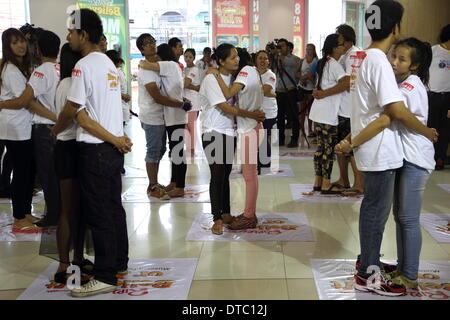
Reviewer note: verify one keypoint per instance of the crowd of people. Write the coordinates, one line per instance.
(63, 122)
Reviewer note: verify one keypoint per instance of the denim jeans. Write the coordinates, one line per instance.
(155, 137)
(101, 189)
(409, 187)
(374, 213)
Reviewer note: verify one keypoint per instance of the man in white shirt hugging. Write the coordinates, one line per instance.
(374, 90)
(101, 142)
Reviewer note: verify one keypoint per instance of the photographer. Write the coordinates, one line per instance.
(32, 35)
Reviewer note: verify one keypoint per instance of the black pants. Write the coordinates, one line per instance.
(437, 118)
(21, 153)
(287, 107)
(101, 188)
(5, 170)
(219, 149)
(175, 134)
(44, 155)
(265, 151)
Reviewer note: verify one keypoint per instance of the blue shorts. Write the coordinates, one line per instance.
(156, 142)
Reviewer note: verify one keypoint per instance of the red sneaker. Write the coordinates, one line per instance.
(388, 268)
(379, 285)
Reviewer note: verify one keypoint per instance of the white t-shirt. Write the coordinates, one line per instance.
(172, 86)
(250, 98)
(440, 70)
(418, 150)
(60, 101)
(212, 117)
(373, 86)
(269, 105)
(15, 125)
(124, 90)
(192, 95)
(95, 84)
(326, 110)
(150, 112)
(346, 62)
(44, 82)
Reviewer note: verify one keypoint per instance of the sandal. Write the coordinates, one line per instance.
(217, 228)
(242, 222)
(331, 192)
(352, 193)
(27, 229)
(85, 263)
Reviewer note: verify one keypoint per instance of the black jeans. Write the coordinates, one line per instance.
(175, 134)
(219, 149)
(44, 155)
(5, 170)
(21, 153)
(265, 151)
(287, 107)
(437, 118)
(101, 188)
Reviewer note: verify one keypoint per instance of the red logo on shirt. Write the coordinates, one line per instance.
(407, 86)
(192, 75)
(272, 79)
(243, 74)
(181, 66)
(76, 73)
(38, 75)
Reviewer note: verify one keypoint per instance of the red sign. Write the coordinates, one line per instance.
(231, 22)
(299, 27)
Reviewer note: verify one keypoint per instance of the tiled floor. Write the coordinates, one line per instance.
(226, 270)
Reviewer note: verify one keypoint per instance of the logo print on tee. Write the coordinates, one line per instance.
(76, 73)
(357, 61)
(407, 86)
(243, 74)
(444, 64)
(272, 79)
(113, 80)
(38, 75)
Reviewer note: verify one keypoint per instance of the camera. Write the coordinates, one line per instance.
(32, 34)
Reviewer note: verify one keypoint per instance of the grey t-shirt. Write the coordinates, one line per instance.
(291, 65)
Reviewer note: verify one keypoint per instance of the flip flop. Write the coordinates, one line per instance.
(352, 193)
(331, 192)
(27, 229)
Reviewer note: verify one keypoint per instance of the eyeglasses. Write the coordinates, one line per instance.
(150, 41)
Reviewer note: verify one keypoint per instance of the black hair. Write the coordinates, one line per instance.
(290, 45)
(281, 40)
(445, 34)
(48, 43)
(9, 57)
(347, 32)
(140, 40)
(388, 13)
(245, 59)
(192, 51)
(67, 61)
(91, 23)
(223, 52)
(331, 42)
(164, 51)
(114, 56)
(207, 49)
(173, 42)
(421, 56)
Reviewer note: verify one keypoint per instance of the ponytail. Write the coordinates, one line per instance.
(331, 42)
(421, 56)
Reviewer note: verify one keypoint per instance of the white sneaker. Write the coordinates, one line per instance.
(92, 288)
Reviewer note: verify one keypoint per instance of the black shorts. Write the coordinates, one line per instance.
(343, 128)
(66, 159)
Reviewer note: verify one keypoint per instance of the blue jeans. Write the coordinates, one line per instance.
(409, 186)
(374, 213)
